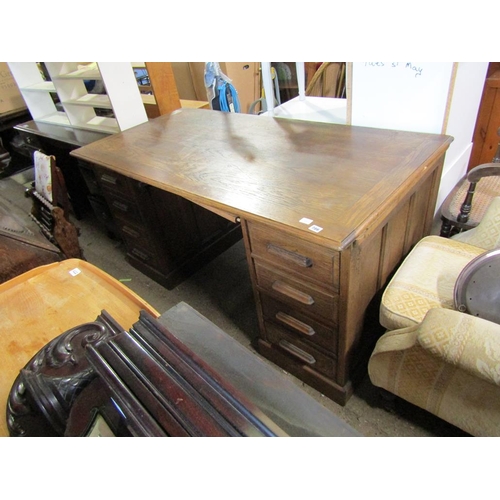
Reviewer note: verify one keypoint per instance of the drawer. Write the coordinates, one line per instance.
(302, 296)
(299, 324)
(302, 257)
(115, 183)
(31, 141)
(135, 236)
(143, 254)
(124, 209)
(300, 351)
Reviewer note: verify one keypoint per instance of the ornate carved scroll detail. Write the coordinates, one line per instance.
(46, 387)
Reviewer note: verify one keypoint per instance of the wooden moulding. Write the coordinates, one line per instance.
(98, 379)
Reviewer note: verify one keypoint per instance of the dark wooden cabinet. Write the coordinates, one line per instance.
(59, 141)
(166, 236)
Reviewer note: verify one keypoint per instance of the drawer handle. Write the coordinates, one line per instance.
(296, 258)
(109, 179)
(298, 353)
(295, 324)
(120, 206)
(140, 254)
(130, 232)
(293, 293)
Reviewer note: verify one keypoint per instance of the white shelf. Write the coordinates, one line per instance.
(101, 123)
(58, 118)
(122, 94)
(316, 109)
(92, 100)
(81, 74)
(40, 87)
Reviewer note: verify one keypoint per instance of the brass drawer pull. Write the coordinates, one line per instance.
(295, 323)
(130, 232)
(120, 206)
(296, 258)
(298, 353)
(109, 179)
(140, 254)
(293, 293)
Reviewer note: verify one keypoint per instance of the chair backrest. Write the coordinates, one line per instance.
(327, 80)
(49, 181)
(51, 205)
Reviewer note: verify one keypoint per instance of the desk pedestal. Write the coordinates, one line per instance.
(313, 301)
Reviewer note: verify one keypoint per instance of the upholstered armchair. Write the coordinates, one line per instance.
(432, 355)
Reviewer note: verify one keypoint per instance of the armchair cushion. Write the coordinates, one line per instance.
(449, 365)
(425, 280)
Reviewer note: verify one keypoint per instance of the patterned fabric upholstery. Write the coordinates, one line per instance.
(425, 280)
(487, 234)
(449, 364)
(433, 356)
(427, 277)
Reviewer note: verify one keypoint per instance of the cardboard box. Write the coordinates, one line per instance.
(10, 97)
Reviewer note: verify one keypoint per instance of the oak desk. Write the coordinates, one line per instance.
(327, 212)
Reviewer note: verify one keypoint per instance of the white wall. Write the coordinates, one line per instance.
(422, 97)
(402, 96)
(464, 107)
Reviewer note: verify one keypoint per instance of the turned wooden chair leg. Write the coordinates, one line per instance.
(446, 227)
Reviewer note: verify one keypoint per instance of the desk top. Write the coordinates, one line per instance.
(275, 170)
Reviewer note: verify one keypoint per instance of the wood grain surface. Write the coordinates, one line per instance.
(274, 170)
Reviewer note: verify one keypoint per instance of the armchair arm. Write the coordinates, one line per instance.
(470, 343)
(487, 234)
(467, 342)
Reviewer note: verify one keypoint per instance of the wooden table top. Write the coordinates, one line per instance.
(40, 304)
(68, 135)
(275, 170)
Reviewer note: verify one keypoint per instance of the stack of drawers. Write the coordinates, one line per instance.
(123, 199)
(166, 236)
(297, 284)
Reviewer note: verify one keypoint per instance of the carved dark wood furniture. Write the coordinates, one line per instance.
(59, 141)
(10, 160)
(44, 302)
(177, 375)
(273, 391)
(22, 246)
(327, 212)
(51, 205)
(143, 382)
(466, 204)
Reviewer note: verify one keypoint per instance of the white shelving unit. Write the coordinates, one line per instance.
(67, 82)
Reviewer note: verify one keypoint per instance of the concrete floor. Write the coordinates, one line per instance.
(222, 292)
